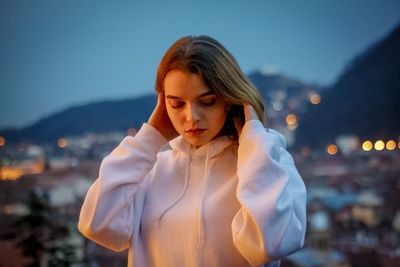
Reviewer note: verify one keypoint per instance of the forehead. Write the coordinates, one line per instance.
(184, 85)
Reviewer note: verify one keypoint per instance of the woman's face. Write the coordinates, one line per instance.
(196, 112)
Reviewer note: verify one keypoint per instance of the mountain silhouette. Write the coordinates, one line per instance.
(363, 102)
(100, 117)
(120, 115)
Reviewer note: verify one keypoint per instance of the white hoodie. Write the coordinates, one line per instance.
(211, 206)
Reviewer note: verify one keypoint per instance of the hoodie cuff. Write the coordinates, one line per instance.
(250, 127)
(151, 137)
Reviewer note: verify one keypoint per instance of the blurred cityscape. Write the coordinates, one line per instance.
(353, 202)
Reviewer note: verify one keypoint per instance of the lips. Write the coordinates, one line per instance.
(194, 131)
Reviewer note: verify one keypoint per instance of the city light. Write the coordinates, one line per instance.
(367, 145)
(315, 98)
(62, 143)
(277, 105)
(10, 173)
(2, 141)
(390, 145)
(291, 119)
(331, 149)
(22, 168)
(379, 145)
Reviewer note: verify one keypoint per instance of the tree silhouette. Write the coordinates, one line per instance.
(41, 236)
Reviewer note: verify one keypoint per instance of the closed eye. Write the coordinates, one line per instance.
(176, 103)
(208, 101)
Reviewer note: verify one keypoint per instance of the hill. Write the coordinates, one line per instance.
(363, 102)
(120, 115)
(100, 117)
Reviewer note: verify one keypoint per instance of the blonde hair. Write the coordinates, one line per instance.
(208, 58)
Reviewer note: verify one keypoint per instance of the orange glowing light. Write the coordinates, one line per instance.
(315, 98)
(390, 145)
(332, 149)
(2, 141)
(10, 173)
(291, 119)
(62, 142)
(367, 145)
(379, 145)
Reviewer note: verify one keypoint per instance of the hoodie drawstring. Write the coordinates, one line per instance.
(205, 180)
(187, 175)
(204, 185)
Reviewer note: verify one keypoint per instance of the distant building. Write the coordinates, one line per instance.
(368, 208)
(20, 168)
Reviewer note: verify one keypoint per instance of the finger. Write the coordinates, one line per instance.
(249, 112)
(160, 98)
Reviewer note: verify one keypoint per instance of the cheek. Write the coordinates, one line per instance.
(174, 116)
(219, 116)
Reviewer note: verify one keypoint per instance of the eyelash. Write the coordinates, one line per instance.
(208, 103)
(205, 103)
(176, 104)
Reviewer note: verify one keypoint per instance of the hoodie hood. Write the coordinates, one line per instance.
(212, 148)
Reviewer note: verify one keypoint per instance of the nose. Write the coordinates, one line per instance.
(192, 113)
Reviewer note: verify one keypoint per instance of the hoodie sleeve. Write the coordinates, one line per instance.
(271, 223)
(114, 202)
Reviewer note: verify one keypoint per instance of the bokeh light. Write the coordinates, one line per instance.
(331, 149)
(291, 119)
(62, 143)
(2, 141)
(315, 98)
(390, 145)
(379, 145)
(367, 145)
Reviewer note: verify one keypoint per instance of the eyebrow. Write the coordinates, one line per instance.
(197, 97)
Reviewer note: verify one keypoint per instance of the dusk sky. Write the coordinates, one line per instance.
(54, 54)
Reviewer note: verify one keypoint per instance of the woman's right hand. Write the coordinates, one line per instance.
(159, 119)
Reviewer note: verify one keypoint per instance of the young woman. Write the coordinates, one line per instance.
(225, 192)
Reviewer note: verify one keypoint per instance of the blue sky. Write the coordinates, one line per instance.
(54, 54)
